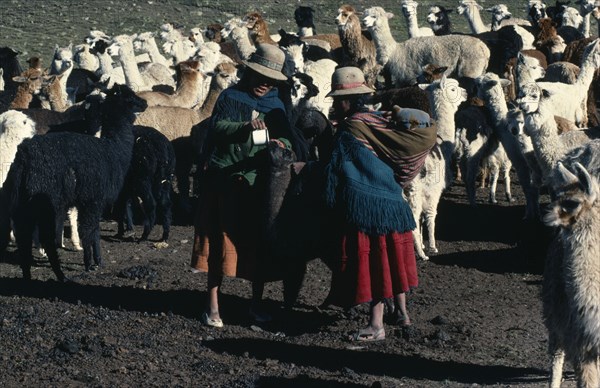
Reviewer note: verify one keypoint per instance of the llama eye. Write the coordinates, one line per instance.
(569, 205)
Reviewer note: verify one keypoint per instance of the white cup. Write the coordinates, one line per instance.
(260, 137)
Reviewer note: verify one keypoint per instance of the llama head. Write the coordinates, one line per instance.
(586, 6)
(531, 66)
(409, 8)
(196, 35)
(374, 17)
(294, 58)
(16, 125)
(438, 16)
(251, 18)
(143, 41)
(431, 73)
(515, 121)
(213, 32)
(468, 7)
(596, 13)
(499, 12)
(530, 97)
(571, 17)
(445, 92)
(224, 75)
(490, 87)
(576, 192)
(96, 35)
(230, 25)
(536, 11)
(304, 16)
(302, 87)
(345, 13)
(120, 98)
(30, 80)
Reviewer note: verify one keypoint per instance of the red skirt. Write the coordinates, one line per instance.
(374, 267)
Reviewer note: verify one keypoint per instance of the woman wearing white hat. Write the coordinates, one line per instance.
(226, 230)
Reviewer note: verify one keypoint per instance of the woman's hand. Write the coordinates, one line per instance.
(255, 124)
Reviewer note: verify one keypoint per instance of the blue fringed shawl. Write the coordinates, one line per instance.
(363, 187)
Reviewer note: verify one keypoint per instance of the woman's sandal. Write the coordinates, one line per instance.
(365, 335)
(208, 321)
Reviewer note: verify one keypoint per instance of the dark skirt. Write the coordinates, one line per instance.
(374, 268)
(226, 230)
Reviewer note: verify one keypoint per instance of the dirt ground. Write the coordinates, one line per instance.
(135, 322)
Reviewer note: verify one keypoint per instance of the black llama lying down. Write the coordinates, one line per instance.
(57, 171)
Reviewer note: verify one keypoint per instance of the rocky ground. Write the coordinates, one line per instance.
(135, 322)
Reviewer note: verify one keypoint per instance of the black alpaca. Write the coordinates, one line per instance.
(150, 179)
(304, 18)
(57, 171)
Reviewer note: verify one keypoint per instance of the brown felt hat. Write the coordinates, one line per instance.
(268, 61)
(348, 80)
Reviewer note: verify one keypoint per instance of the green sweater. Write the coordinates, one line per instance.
(234, 153)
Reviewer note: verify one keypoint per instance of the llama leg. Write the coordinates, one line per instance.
(509, 142)
(507, 184)
(164, 203)
(417, 235)
(558, 359)
(49, 238)
(72, 214)
(23, 226)
(87, 223)
(430, 214)
(149, 209)
(494, 173)
(292, 282)
(587, 372)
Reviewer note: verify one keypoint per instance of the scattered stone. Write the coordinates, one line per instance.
(256, 329)
(440, 320)
(68, 346)
(161, 245)
(442, 336)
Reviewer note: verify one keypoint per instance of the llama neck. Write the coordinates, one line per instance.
(297, 110)
(22, 98)
(586, 72)
(210, 101)
(58, 99)
(351, 36)
(474, 20)
(586, 25)
(413, 28)
(105, 64)
(154, 53)
(133, 77)
(581, 251)
(242, 42)
(444, 118)
(190, 89)
(306, 31)
(384, 42)
(548, 147)
(498, 109)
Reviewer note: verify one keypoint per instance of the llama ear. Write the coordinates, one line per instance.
(423, 86)
(564, 174)
(490, 9)
(504, 82)
(479, 7)
(521, 57)
(443, 81)
(586, 181)
(441, 69)
(389, 15)
(545, 93)
(19, 79)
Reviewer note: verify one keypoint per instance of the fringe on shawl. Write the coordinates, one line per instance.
(365, 189)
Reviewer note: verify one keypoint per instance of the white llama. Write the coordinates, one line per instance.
(424, 192)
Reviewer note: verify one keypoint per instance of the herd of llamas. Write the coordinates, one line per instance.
(121, 121)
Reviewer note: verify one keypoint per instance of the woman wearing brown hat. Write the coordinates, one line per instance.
(226, 230)
(371, 157)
